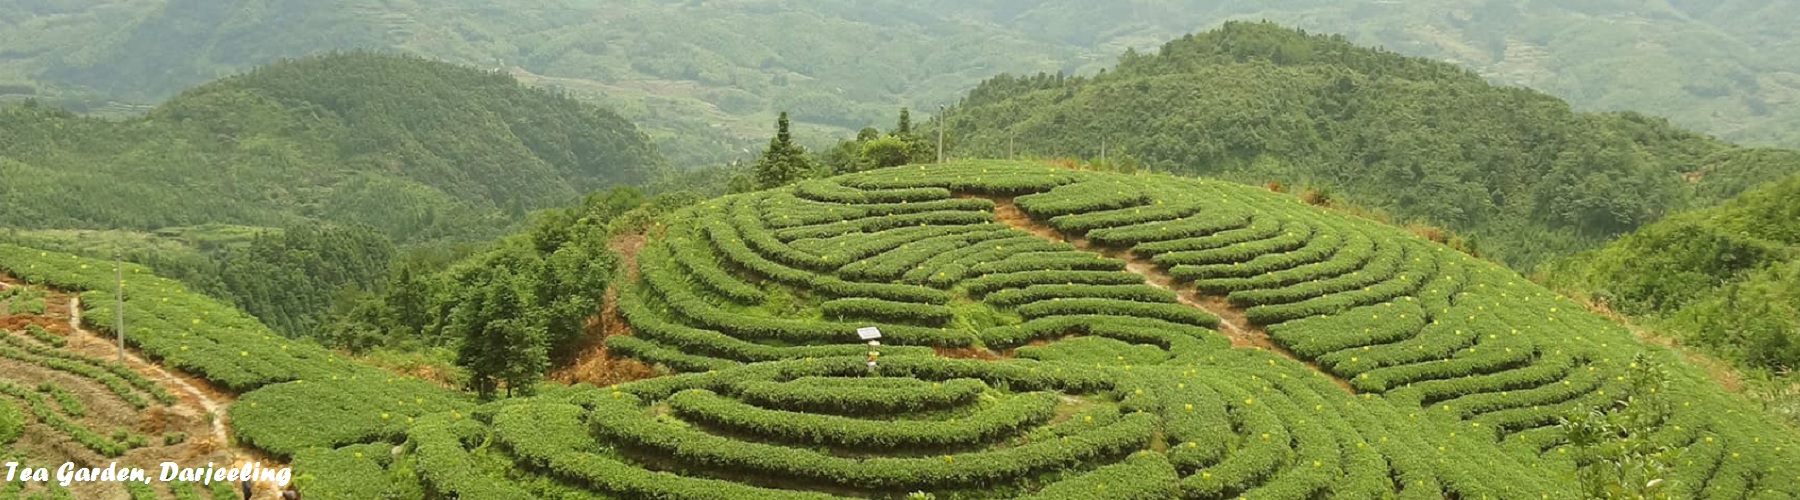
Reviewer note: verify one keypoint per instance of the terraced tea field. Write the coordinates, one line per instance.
(64, 398)
(1104, 336)
(194, 364)
(1047, 333)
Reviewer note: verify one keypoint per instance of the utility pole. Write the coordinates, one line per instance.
(940, 133)
(1103, 151)
(119, 303)
(1009, 145)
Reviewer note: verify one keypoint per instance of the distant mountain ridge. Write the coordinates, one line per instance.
(421, 150)
(1521, 171)
(707, 76)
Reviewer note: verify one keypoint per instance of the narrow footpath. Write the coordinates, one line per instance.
(1232, 322)
(192, 395)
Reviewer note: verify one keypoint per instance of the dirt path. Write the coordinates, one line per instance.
(1232, 322)
(595, 364)
(194, 397)
(199, 409)
(184, 389)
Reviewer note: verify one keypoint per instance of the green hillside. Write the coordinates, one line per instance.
(1726, 278)
(290, 394)
(419, 150)
(1050, 333)
(705, 75)
(1518, 170)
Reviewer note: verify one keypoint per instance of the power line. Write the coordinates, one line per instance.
(119, 303)
(941, 123)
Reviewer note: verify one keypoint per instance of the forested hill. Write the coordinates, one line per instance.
(1518, 170)
(1726, 278)
(705, 77)
(420, 150)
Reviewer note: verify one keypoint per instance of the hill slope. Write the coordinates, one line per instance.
(1049, 333)
(1724, 277)
(420, 150)
(706, 76)
(290, 394)
(1519, 170)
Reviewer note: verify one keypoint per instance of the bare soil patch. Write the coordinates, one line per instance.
(595, 364)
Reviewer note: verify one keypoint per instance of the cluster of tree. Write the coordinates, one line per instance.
(420, 150)
(1517, 170)
(1726, 278)
(512, 310)
(291, 278)
(785, 162)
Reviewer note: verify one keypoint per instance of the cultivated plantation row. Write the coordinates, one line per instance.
(295, 395)
(58, 402)
(1013, 364)
(1018, 365)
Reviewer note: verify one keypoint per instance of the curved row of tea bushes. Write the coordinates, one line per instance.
(859, 396)
(1014, 297)
(1082, 197)
(999, 420)
(792, 210)
(828, 191)
(992, 178)
(1349, 257)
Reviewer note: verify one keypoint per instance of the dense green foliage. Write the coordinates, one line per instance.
(418, 150)
(1459, 378)
(783, 162)
(289, 279)
(706, 78)
(1520, 171)
(512, 309)
(1725, 277)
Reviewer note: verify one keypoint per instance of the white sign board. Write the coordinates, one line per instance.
(868, 333)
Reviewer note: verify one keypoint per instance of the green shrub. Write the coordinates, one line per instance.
(354, 471)
(1292, 237)
(120, 381)
(980, 287)
(42, 335)
(12, 422)
(881, 310)
(40, 408)
(1350, 257)
(371, 405)
(1175, 313)
(1079, 223)
(1014, 297)
(1082, 197)
(1204, 231)
(987, 424)
(445, 465)
(859, 396)
(1048, 261)
(622, 421)
(832, 192)
(1169, 236)
(883, 223)
(66, 400)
